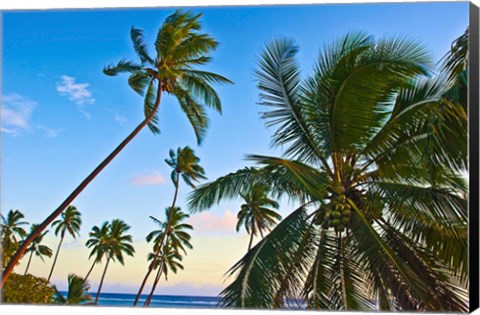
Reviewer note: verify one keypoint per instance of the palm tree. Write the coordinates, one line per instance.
(77, 292)
(185, 165)
(170, 260)
(176, 238)
(117, 244)
(381, 222)
(37, 248)
(254, 214)
(12, 233)
(180, 48)
(98, 242)
(70, 222)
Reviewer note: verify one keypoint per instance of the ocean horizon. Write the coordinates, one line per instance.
(164, 301)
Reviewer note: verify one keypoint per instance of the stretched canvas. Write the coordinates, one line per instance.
(294, 156)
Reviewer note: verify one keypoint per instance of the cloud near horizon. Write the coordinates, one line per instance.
(207, 222)
(152, 178)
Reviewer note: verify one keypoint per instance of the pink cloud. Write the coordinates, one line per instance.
(208, 222)
(153, 178)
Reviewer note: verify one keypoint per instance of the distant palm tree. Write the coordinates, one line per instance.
(12, 233)
(176, 237)
(180, 48)
(117, 244)
(170, 260)
(185, 165)
(98, 242)
(254, 214)
(37, 248)
(372, 161)
(77, 292)
(70, 222)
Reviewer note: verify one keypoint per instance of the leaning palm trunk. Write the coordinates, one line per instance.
(77, 191)
(154, 286)
(157, 253)
(101, 282)
(55, 259)
(89, 272)
(28, 264)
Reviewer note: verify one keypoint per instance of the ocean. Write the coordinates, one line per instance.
(167, 301)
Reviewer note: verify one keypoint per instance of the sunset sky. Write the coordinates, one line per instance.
(60, 116)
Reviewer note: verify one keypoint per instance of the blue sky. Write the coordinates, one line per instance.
(61, 115)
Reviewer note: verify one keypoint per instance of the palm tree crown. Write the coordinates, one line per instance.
(254, 214)
(70, 222)
(37, 248)
(180, 47)
(12, 233)
(77, 292)
(185, 164)
(369, 161)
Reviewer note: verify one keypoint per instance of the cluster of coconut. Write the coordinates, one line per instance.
(336, 214)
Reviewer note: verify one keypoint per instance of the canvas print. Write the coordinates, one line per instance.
(302, 157)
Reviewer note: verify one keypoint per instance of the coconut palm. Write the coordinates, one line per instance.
(70, 222)
(77, 292)
(254, 214)
(185, 165)
(37, 248)
(174, 234)
(98, 242)
(117, 244)
(12, 233)
(180, 49)
(381, 222)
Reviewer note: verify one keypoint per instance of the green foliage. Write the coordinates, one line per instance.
(28, 289)
(77, 292)
(374, 150)
(11, 234)
(179, 47)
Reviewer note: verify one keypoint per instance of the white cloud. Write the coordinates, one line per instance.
(49, 132)
(152, 178)
(16, 112)
(76, 92)
(210, 223)
(120, 119)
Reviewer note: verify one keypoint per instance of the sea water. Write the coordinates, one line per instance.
(168, 301)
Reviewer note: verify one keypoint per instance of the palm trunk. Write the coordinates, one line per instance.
(28, 264)
(56, 256)
(77, 191)
(101, 282)
(89, 271)
(251, 235)
(154, 286)
(157, 253)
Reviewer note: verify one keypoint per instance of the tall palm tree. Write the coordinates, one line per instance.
(37, 248)
(185, 165)
(71, 221)
(254, 214)
(117, 244)
(77, 292)
(98, 242)
(380, 213)
(180, 48)
(175, 236)
(170, 260)
(12, 233)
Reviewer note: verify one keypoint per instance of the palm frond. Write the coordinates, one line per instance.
(140, 46)
(120, 67)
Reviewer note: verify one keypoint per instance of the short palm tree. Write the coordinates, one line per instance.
(12, 233)
(180, 49)
(117, 244)
(174, 233)
(381, 221)
(185, 165)
(37, 248)
(254, 214)
(70, 222)
(77, 292)
(170, 259)
(97, 241)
